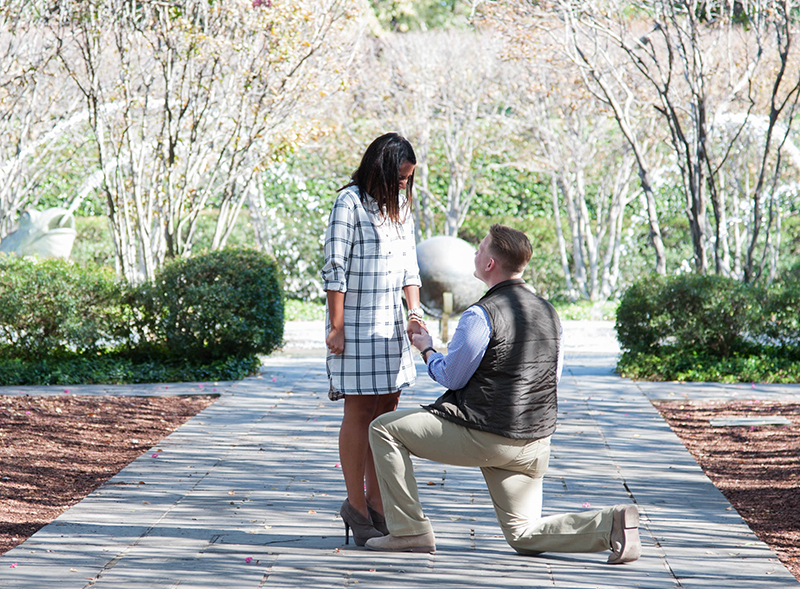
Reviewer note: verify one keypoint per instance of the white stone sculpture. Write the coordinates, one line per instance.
(48, 234)
(446, 264)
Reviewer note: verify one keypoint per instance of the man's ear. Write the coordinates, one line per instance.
(490, 265)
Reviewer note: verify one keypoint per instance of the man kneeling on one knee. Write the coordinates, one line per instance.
(501, 372)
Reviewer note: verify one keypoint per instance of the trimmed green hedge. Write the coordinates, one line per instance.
(223, 303)
(52, 306)
(709, 328)
(204, 318)
(121, 368)
(693, 366)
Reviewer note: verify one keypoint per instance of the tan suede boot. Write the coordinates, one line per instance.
(419, 543)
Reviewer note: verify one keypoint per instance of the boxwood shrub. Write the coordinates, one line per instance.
(205, 318)
(709, 328)
(214, 305)
(53, 306)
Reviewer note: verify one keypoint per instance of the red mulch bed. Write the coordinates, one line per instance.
(756, 467)
(56, 450)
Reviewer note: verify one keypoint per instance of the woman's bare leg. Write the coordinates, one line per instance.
(354, 446)
(354, 452)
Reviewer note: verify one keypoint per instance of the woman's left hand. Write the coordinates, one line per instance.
(415, 326)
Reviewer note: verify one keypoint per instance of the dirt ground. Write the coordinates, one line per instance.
(756, 467)
(56, 450)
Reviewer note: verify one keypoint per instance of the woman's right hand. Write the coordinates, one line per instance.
(335, 341)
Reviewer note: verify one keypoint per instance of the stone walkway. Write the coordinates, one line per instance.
(246, 495)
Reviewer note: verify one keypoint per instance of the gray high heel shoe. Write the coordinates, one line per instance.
(378, 520)
(362, 526)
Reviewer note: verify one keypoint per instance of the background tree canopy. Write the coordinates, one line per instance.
(625, 138)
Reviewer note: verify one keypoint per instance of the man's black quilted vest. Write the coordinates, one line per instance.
(513, 391)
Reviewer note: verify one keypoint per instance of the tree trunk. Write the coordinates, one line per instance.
(578, 263)
(562, 244)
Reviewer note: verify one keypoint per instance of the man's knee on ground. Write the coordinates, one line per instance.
(515, 541)
(514, 536)
(523, 552)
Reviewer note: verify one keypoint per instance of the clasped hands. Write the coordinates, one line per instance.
(418, 334)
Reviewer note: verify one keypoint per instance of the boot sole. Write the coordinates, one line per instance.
(628, 518)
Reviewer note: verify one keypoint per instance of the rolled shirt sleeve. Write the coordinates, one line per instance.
(338, 245)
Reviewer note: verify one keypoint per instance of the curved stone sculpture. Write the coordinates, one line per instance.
(446, 264)
(47, 234)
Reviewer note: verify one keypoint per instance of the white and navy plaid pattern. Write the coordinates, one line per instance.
(370, 259)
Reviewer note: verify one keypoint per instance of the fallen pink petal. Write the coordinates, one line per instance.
(587, 504)
(154, 456)
(248, 560)
(13, 565)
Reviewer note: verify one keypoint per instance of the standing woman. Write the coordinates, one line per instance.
(370, 262)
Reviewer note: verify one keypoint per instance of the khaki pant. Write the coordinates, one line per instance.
(513, 470)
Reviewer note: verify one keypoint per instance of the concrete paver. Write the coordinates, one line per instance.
(247, 493)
